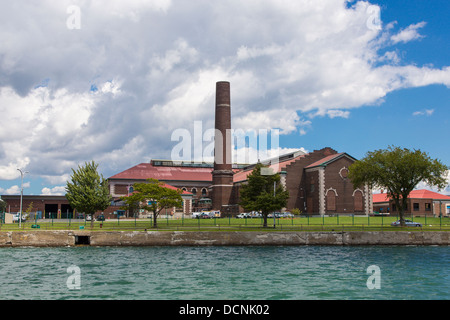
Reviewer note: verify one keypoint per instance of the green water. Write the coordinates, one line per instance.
(224, 273)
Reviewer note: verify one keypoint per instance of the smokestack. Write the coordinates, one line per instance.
(223, 173)
(222, 144)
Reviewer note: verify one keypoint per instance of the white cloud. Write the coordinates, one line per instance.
(114, 90)
(425, 112)
(408, 34)
(15, 190)
(338, 114)
(55, 191)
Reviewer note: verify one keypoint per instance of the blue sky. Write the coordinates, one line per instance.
(112, 81)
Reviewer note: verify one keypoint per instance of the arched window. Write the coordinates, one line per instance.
(331, 200)
(358, 200)
(204, 192)
(194, 191)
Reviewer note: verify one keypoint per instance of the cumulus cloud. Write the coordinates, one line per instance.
(55, 191)
(15, 190)
(408, 34)
(116, 88)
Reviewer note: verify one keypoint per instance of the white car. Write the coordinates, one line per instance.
(196, 215)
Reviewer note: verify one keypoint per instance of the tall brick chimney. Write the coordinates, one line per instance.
(222, 173)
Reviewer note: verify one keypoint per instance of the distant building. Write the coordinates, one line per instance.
(44, 206)
(420, 203)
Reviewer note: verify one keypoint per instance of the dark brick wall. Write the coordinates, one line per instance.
(335, 178)
(296, 182)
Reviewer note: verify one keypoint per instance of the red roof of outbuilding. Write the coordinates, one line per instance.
(415, 194)
(146, 171)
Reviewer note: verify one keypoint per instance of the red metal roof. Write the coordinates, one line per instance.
(175, 188)
(168, 186)
(146, 171)
(325, 160)
(415, 194)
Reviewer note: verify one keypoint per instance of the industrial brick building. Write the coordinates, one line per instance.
(317, 182)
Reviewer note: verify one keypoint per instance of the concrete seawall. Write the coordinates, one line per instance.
(179, 238)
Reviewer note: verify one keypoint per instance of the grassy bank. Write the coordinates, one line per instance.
(336, 223)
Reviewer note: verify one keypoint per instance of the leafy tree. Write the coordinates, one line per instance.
(398, 171)
(2, 206)
(258, 193)
(154, 196)
(88, 191)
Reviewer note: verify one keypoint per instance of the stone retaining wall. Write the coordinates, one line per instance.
(179, 238)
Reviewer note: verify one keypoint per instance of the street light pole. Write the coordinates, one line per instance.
(21, 196)
(274, 195)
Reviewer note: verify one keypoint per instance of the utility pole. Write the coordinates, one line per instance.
(21, 196)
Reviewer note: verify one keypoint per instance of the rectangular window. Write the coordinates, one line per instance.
(416, 206)
(427, 206)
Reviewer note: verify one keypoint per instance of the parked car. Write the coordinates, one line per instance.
(243, 215)
(254, 214)
(408, 223)
(287, 215)
(207, 215)
(196, 215)
(101, 218)
(277, 215)
(88, 217)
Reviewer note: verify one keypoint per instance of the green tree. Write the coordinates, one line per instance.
(2, 206)
(258, 194)
(154, 196)
(88, 191)
(398, 170)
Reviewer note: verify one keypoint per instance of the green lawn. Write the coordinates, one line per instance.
(336, 223)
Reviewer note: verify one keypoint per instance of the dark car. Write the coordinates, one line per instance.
(101, 218)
